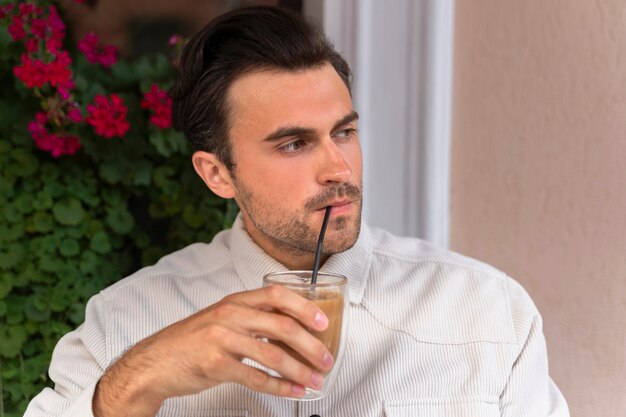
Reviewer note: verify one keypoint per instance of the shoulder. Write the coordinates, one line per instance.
(178, 285)
(443, 296)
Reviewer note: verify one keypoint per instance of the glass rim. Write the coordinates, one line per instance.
(341, 279)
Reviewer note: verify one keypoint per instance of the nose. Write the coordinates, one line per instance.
(333, 168)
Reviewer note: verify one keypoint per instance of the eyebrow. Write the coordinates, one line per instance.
(287, 131)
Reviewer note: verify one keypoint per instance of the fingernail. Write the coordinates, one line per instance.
(321, 320)
(297, 390)
(317, 380)
(327, 360)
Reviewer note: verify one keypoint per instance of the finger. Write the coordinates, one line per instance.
(289, 302)
(275, 358)
(260, 381)
(249, 321)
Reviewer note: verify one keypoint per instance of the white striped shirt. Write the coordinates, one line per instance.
(431, 333)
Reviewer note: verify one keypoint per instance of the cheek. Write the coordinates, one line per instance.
(355, 159)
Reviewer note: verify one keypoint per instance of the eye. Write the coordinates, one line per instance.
(292, 147)
(345, 134)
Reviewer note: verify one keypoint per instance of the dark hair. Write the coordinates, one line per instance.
(230, 46)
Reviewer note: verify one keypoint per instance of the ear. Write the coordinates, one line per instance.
(214, 173)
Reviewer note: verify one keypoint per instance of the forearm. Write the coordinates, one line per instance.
(127, 389)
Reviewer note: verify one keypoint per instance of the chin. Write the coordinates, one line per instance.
(343, 240)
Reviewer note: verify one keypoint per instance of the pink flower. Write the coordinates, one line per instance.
(53, 45)
(108, 56)
(5, 10)
(64, 93)
(32, 45)
(59, 73)
(162, 117)
(108, 116)
(32, 72)
(55, 24)
(16, 29)
(89, 47)
(97, 53)
(56, 28)
(174, 40)
(38, 28)
(57, 145)
(160, 103)
(41, 118)
(27, 9)
(74, 114)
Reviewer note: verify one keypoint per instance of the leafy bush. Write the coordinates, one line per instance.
(94, 184)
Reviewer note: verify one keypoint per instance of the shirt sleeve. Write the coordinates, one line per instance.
(530, 392)
(78, 361)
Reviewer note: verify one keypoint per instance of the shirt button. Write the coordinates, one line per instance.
(315, 415)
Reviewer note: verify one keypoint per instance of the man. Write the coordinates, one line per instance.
(265, 101)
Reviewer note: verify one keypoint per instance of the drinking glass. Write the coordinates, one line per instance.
(330, 294)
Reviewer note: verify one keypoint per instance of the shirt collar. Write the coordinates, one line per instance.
(252, 263)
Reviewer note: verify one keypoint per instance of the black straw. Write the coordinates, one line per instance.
(320, 244)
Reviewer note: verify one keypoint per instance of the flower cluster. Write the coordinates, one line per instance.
(160, 104)
(45, 63)
(95, 52)
(108, 116)
(46, 68)
(41, 65)
(56, 144)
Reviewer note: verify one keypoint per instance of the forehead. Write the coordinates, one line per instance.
(262, 101)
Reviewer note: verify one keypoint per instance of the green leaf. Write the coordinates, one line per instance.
(143, 172)
(193, 218)
(42, 222)
(5, 285)
(77, 231)
(50, 263)
(11, 255)
(26, 163)
(49, 172)
(112, 197)
(11, 340)
(29, 274)
(69, 247)
(42, 201)
(167, 142)
(24, 203)
(12, 214)
(36, 314)
(14, 232)
(68, 212)
(111, 171)
(88, 262)
(5, 146)
(120, 220)
(7, 182)
(162, 179)
(55, 189)
(100, 243)
(123, 73)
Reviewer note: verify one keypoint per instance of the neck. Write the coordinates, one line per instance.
(292, 258)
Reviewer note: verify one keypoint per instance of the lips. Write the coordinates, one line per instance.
(339, 207)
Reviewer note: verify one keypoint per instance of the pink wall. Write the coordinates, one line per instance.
(539, 174)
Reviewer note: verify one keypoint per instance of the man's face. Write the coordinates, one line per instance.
(296, 151)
